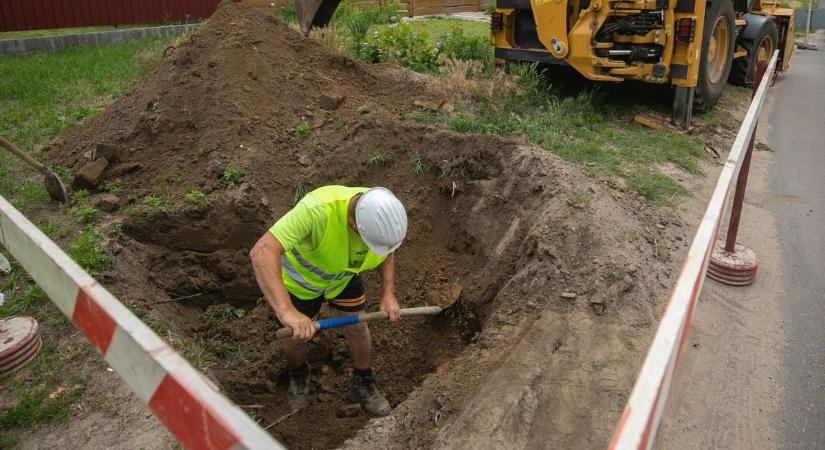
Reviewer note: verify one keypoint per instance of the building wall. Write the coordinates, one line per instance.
(19, 15)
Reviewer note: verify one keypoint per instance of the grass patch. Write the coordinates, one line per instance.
(586, 129)
(64, 31)
(86, 213)
(438, 28)
(36, 409)
(579, 199)
(44, 95)
(86, 251)
(654, 186)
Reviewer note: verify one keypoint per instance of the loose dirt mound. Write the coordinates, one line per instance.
(498, 224)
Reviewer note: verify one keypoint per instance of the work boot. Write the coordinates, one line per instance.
(362, 389)
(298, 391)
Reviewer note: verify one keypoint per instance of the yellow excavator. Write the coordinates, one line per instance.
(695, 46)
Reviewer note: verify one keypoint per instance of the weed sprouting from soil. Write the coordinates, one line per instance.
(194, 197)
(79, 196)
(377, 159)
(300, 191)
(113, 187)
(86, 213)
(155, 204)
(303, 129)
(417, 164)
(232, 176)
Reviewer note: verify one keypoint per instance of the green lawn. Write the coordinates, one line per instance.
(42, 96)
(47, 94)
(63, 31)
(438, 27)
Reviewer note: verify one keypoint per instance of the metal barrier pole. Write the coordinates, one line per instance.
(639, 423)
(733, 263)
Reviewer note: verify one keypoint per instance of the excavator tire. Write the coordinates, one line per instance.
(760, 48)
(718, 45)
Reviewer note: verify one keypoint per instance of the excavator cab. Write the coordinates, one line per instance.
(314, 13)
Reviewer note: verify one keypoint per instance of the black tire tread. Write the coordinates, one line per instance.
(703, 101)
(743, 68)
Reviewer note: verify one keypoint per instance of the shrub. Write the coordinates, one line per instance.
(232, 176)
(400, 44)
(458, 45)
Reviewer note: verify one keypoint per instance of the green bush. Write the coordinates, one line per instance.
(400, 44)
(456, 44)
(351, 17)
(357, 21)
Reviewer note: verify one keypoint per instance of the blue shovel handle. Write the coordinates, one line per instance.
(343, 321)
(336, 322)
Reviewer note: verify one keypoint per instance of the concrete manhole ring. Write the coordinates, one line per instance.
(19, 342)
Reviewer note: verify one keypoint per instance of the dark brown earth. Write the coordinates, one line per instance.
(490, 216)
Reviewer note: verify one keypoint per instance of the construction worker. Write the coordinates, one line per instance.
(314, 254)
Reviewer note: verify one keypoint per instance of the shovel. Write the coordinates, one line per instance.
(337, 322)
(55, 188)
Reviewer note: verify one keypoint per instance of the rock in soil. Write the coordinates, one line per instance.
(348, 410)
(122, 169)
(5, 267)
(108, 202)
(111, 152)
(88, 176)
(330, 102)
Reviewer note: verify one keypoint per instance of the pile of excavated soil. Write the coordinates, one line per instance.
(554, 298)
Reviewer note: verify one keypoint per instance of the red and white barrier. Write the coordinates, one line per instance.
(181, 397)
(643, 412)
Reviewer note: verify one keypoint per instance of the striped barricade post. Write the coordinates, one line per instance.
(184, 400)
(643, 412)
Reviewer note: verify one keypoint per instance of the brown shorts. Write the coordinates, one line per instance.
(351, 299)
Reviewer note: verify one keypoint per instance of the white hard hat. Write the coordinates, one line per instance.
(382, 220)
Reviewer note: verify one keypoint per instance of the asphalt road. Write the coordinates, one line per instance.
(797, 137)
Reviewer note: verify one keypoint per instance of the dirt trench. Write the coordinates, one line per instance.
(492, 227)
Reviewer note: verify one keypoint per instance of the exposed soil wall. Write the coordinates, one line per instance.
(491, 226)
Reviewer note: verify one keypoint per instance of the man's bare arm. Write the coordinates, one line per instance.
(388, 301)
(266, 262)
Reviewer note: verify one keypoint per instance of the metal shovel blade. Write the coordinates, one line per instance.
(314, 13)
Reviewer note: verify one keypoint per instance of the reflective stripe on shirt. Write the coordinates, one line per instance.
(306, 265)
(297, 278)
